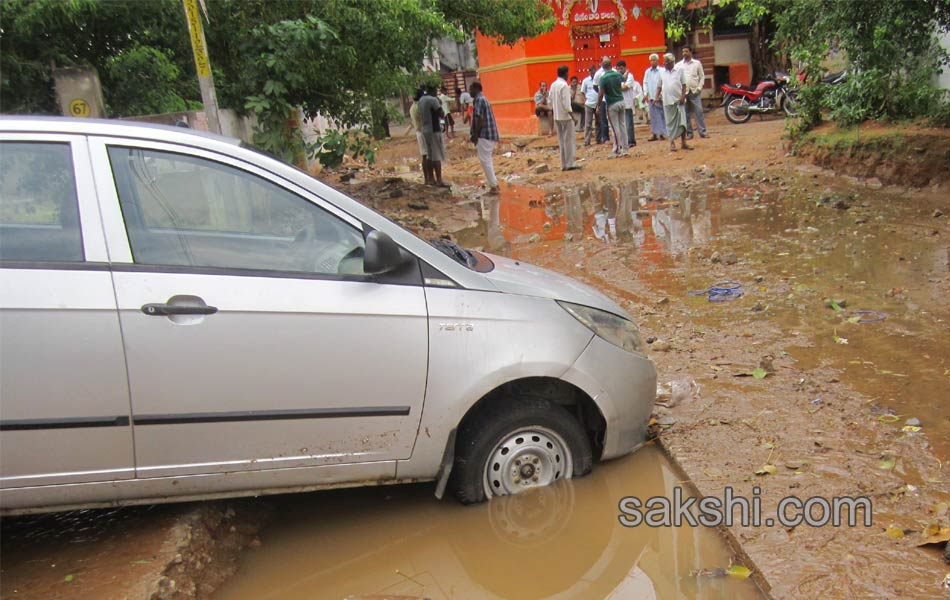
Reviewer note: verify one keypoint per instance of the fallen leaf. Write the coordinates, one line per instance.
(887, 462)
(739, 571)
(834, 305)
(889, 418)
(941, 536)
(759, 373)
(68, 579)
(893, 531)
(911, 428)
(767, 470)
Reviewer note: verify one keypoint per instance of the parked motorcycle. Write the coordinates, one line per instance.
(740, 102)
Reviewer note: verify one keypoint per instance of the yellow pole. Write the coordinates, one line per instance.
(202, 64)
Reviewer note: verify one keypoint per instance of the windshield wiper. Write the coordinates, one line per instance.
(455, 252)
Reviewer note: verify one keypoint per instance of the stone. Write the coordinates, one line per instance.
(938, 213)
(874, 183)
(716, 257)
(661, 346)
(395, 194)
(541, 169)
(913, 422)
(534, 238)
(418, 206)
(730, 258)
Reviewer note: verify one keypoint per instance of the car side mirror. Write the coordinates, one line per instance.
(382, 254)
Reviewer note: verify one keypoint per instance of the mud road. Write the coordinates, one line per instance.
(823, 371)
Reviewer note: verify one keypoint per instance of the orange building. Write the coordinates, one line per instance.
(586, 31)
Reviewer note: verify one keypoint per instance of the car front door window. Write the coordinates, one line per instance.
(186, 211)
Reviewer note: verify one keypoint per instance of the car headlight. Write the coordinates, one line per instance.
(618, 331)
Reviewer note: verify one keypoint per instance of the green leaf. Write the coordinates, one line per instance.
(759, 373)
(888, 461)
(68, 579)
(739, 572)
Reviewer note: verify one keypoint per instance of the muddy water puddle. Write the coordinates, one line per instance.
(564, 541)
(792, 243)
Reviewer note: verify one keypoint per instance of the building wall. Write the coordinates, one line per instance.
(511, 75)
(944, 79)
(730, 51)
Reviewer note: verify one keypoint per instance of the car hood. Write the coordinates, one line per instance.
(517, 277)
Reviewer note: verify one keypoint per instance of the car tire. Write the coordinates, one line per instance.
(529, 442)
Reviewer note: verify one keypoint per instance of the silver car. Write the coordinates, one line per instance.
(182, 318)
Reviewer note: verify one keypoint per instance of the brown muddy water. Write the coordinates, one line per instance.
(564, 541)
(796, 241)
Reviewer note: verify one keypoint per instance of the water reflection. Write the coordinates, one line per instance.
(562, 541)
(649, 214)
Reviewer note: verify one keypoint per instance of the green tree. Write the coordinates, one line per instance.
(338, 57)
(890, 47)
(37, 33)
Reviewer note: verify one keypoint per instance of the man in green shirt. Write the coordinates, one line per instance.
(612, 92)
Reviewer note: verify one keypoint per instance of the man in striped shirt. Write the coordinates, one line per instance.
(484, 134)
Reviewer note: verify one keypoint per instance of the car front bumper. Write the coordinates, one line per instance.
(623, 385)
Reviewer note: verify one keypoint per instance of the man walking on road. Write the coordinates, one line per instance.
(560, 99)
(672, 92)
(651, 80)
(695, 76)
(611, 93)
(484, 134)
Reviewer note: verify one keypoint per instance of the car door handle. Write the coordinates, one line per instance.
(166, 310)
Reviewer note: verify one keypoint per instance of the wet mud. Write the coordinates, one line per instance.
(828, 375)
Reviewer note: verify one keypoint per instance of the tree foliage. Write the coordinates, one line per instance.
(341, 58)
(889, 46)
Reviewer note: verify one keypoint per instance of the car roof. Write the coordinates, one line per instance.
(109, 127)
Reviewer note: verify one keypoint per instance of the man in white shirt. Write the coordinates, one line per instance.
(672, 92)
(559, 98)
(632, 92)
(695, 76)
(590, 103)
(651, 79)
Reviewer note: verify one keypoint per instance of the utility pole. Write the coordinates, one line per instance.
(202, 64)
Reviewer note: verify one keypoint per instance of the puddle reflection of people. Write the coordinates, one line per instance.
(495, 239)
(674, 224)
(575, 212)
(605, 219)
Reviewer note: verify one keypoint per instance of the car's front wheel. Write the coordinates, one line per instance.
(525, 443)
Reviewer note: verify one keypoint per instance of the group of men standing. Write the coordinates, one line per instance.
(671, 93)
(426, 115)
(674, 94)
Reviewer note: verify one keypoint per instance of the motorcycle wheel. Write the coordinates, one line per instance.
(737, 111)
(790, 105)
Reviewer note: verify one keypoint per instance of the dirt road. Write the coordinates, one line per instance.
(788, 394)
(776, 389)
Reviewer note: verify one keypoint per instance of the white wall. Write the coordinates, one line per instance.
(944, 79)
(732, 51)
